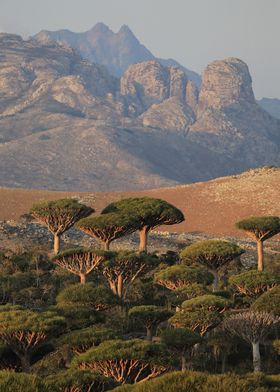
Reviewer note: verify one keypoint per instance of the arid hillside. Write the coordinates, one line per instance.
(210, 207)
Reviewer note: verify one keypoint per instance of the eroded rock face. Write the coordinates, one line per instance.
(225, 83)
(29, 72)
(148, 80)
(68, 124)
(230, 121)
(178, 81)
(171, 114)
(192, 95)
(151, 83)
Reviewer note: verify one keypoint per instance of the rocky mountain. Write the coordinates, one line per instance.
(68, 124)
(114, 50)
(271, 105)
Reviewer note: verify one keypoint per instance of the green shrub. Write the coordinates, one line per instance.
(20, 382)
(81, 380)
(200, 382)
(268, 302)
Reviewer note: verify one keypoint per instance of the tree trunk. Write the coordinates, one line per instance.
(216, 280)
(143, 234)
(106, 245)
(82, 278)
(224, 362)
(120, 286)
(260, 255)
(149, 334)
(256, 357)
(56, 244)
(25, 363)
(184, 363)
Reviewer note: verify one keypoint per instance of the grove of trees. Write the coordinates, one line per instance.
(102, 319)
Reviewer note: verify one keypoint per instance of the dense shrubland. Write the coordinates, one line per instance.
(81, 320)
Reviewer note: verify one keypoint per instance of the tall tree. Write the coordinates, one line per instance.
(180, 341)
(109, 227)
(260, 228)
(179, 275)
(213, 254)
(60, 216)
(82, 306)
(148, 213)
(200, 314)
(268, 302)
(25, 331)
(124, 268)
(253, 327)
(254, 283)
(150, 316)
(126, 361)
(81, 262)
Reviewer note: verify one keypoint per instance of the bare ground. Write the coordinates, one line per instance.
(210, 207)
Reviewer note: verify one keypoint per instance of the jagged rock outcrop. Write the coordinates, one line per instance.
(48, 74)
(114, 50)
(230, 121)
(225, 83)
(150, 83)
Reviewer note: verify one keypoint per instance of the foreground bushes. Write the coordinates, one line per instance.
(203, 382)
(20, 382)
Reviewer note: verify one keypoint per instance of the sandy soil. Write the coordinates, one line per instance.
(210, 207)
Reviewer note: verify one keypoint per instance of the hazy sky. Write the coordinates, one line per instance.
(194, 32)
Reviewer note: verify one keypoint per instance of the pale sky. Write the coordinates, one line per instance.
(193, 32)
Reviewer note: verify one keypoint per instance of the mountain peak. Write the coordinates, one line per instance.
(125, 30)
(100, 28)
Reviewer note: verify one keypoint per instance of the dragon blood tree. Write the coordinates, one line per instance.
(80, 261)
(25, 331)
(109, 227)
(179, 275)
(254, 283)
(60, 216)
(148, 214)
(268, 302)
(82, 305)
(126, 361)
(180, 341)
(200, 314)
(81, 340)
(121, 270)
(75, 380)
(213, 254)
(150, 316)
(260, 228)
(254, 327)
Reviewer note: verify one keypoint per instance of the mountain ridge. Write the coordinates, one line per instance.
(122, 48)
(67, 123)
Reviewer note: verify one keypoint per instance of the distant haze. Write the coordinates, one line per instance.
(194, 32)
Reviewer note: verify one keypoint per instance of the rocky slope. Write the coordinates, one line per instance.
(68, 124)
(114, 50)
(271, 105)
